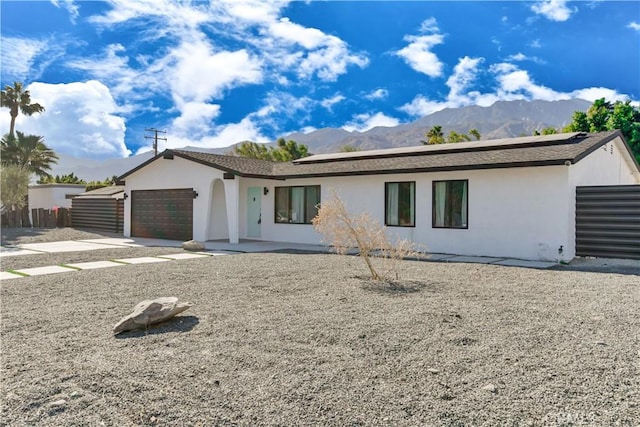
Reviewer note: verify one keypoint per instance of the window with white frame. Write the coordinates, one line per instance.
(400, 204)
(450, 204)
(296, 205)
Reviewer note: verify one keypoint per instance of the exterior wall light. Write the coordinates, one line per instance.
(265, 191)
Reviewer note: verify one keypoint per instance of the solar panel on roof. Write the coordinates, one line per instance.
(561, 138)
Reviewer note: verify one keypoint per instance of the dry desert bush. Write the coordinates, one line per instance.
(345, 230)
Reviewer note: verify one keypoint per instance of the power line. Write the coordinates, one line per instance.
(155, 138)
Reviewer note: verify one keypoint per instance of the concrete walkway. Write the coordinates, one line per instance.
(212, 248)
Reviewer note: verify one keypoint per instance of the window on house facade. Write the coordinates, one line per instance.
(297, 205)
(450, 204)
(400, 206)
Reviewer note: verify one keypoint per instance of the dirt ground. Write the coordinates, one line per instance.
(306, 339)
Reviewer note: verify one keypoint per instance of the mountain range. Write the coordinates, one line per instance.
(503, 119)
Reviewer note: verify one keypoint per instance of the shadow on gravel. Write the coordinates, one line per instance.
(177, 324)
(610, 269)
(11, 235)
(397, 287)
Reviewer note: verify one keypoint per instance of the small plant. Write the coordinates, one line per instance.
(344, 230)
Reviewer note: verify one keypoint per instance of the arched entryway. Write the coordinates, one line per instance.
(218, 223)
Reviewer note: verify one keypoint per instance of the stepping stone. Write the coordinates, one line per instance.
(39, 271)
(5, 275)
(130, 243)
(141, 260)
(66, 246)
(95, 264)
(184, 256)
(16, 251)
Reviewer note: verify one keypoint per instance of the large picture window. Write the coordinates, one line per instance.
(450, 204)
(400, 206)
(297, 205)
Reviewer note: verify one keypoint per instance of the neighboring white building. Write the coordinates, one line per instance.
(506, 198)
(49, 196)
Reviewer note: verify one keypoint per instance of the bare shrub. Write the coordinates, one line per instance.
(14, 182)
(344, 231)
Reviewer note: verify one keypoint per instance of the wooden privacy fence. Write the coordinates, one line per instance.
(50, 218)
(104, 214)
(15, 218)
(40, 218)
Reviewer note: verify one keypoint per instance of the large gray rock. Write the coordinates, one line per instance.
(149, 312)
(193, 245)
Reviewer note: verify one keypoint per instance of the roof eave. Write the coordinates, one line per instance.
(602, 142)
(554, 162)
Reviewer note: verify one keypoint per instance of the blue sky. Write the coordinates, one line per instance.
(215, 73)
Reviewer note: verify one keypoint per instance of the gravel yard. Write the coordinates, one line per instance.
(306, 339)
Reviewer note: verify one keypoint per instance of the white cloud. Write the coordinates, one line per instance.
(429, 25)
(365, 122)
(520, 57)
(418, 55)
(278, 103)
(176, 17)
(634, 26)
(463, 76)
(220, 136)
(196, 73)
(518, 83)
(71, 7)
(535, 44)
(554, 10)
(377, 94)
(308, 129)
(80, 119)
(309, 38)
(421, 106)
(328, 103)
(511, 83)
(18, 57)
(112, 67)
(593, 93)
(330, 60)
(195, 118)
(253, 11)
(200, 74)
(464, 73)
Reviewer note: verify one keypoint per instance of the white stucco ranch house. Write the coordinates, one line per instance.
(511, 197)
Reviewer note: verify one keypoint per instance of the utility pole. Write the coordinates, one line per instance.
(155, 138)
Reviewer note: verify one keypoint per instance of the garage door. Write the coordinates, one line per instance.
(608, 221)
(162, 214)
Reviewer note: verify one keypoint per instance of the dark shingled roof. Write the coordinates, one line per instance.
(511, 153)
(104, 191)
(238, 165)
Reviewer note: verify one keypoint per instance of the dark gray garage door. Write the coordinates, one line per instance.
(162, 214)
(608, 221)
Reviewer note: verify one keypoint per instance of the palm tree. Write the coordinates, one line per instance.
(434, 136)
(18, 100)
(27, 151)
